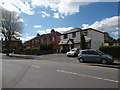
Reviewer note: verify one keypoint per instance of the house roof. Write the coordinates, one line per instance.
(44, 35)
(78, 29)
(93, 30)
(72, 30)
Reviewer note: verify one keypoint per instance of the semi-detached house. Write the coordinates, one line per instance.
(51, 38)
(71, 39)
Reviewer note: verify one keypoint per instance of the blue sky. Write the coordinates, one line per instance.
(41, 17)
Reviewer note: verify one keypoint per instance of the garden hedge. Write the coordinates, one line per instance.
(112, 50)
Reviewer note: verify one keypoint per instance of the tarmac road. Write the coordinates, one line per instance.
(23, 73)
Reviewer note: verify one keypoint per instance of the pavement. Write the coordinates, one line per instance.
(63, 58)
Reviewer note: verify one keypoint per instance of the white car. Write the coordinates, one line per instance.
(73, 52)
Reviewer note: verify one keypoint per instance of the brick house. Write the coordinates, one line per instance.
(15, 43)
(51, 38)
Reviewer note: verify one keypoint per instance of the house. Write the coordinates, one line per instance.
(51, 38)
(14, 44)
(71, 39)
(117, 42)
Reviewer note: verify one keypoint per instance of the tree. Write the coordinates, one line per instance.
(10, 26)
(82, 39)
(108, 39)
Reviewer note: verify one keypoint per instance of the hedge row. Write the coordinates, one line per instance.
(35, 51)
(30, 51)
(44, 49)
(112, 50)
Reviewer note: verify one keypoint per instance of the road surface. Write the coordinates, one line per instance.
(26, 73)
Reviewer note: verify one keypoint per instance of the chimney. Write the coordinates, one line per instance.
(38, 34)
(52, 31)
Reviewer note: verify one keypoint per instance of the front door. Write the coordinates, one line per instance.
(72, 46)
(66, 48)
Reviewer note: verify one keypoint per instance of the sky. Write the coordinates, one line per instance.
(40, 16)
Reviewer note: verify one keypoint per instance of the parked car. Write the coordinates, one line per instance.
(92, 55)
(73, 52)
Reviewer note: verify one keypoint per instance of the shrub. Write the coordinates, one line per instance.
(27, 51)
(112, 50)
(37, 51)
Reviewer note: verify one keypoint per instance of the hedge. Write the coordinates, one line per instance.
(36, 51)
(112, 50)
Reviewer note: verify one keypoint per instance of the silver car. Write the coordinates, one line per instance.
(73, 52)
(92, 55)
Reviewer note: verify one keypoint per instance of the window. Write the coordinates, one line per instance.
(41, 40)
(53, 39)
(45, 39)
(85, 33)
(90, 52)
(74, 34)
(94, 53)
(50, 39)
(36, 40)
(86, 52)
(65, 36)
(32, 41)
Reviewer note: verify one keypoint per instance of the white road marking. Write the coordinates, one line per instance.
(88, 76)
(35, 66)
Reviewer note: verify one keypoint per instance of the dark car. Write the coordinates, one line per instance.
(92, 55)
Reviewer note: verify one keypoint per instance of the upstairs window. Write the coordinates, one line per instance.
(65, 36)
(45, 39)
(50, 39)
(74, 34)
(85, 33)
(41, 40)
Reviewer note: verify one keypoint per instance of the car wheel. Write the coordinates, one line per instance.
(104, 61)
(81, 60)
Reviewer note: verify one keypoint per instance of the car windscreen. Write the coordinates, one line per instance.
(100, 52)
(73, 50)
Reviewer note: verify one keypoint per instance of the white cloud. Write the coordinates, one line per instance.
(37, 26)
(26, 34)
(18, 6)
(44, 14)
(18, 34)
(104, 25)
(21, 20)
(26, 24)
(56, 15)
(115, 33)
(41, 32)
(26, 38)
(62, 7)
(59, 29)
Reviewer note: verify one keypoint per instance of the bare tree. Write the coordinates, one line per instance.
(10, 26)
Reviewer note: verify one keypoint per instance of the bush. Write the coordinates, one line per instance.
(64, 51)
(37, 51)
(5, 51)
(112, 50)
(27, 51)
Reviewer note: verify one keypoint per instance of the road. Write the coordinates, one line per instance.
(27, 73)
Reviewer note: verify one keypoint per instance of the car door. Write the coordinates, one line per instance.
(95, 56)
(89, 56)
(86, 55)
